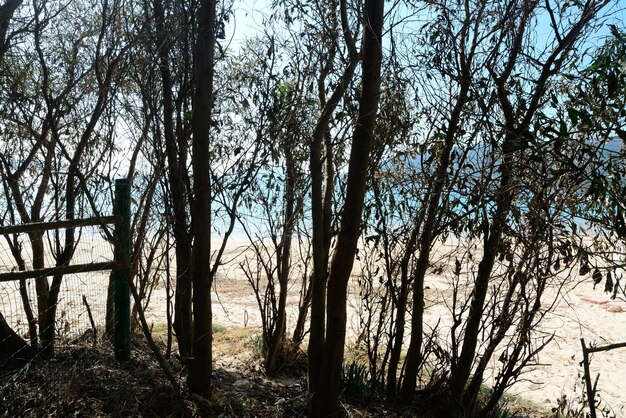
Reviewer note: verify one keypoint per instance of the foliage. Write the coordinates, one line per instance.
(355, 381)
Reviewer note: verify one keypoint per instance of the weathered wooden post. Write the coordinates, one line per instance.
(121, 274)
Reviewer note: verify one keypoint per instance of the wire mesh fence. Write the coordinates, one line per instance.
(82, 298)
(52, 289)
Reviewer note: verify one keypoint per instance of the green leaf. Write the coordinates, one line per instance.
(563, 128)
(593, 67)
(612, 84)
(513, 145)
(597, 277)
(586, 119)
(554, 100)
(622, 134)
(573, 115)
(608, 285)
(584, 269)
(616, 32)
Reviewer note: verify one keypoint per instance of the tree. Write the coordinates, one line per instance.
(517, 122)
(593, 116)
(199, 379)
(460, 69)
(395, 196)
(13, 344)
(461, 129)
(60, 92)
(281, 104)
(6, 13)
(322, 169)
(175, 94)
(326, 396)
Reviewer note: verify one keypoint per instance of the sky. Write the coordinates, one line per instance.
(249, 15)
(247, 21)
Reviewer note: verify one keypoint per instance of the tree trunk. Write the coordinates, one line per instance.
(42, 288)
(321, 212)
(6, 13)
(30, 317)
(299, 329)
(48, 333)
(321, 203)
(505, 193)
(200, 371)
(429, 234)
(175, 158)
(28, 310)
(320, 265)
(14, 351)
(401, 308)
(326, 396)
(276, 349)
(182, 293)
(466, 359)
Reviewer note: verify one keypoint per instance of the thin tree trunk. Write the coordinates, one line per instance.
(466, 359)
(182, 298)
(414, 353)
(321, 209)
(28, 310)
(276, 349)
(299, 330)
(30, 317)
(48, 334)
(401, 308)
(6, 13)
(326, 396)
(14, 351)
(505, 192)
(42, 288)
(201, 365)
(321, 201)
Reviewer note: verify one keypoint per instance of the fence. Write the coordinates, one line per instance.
(75, 287)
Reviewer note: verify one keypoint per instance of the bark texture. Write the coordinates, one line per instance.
(199, 380)
(324, 402)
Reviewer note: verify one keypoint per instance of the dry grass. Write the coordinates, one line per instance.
(83, 380)
(86, 380)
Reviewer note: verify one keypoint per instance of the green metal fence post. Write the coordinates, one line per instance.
(121, 208)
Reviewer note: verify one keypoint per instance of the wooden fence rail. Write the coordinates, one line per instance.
(51, 271)
(61, 224)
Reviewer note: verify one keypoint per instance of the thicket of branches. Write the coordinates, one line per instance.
(345, 131)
